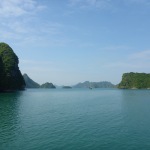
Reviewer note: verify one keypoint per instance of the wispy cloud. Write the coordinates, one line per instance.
(102, 4)
(33, 62)
(127, 65)
(135, 61)
(138, 2)
(18, 8)
(39, 66)
(20, 22)
(107, 4)
(117, 48)
(142, 55)
(16, 17)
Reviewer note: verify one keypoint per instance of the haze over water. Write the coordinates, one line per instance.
(75, 119)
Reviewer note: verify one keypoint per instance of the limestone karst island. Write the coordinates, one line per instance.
(11, 78)
(135, 81)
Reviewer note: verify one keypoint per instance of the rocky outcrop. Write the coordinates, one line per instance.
(135, 81)
(11, 78)
(29, 82)
(48, 85)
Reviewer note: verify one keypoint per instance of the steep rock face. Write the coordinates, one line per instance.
(47, 85)
(29, 82)
(10, 75)
(135, 81)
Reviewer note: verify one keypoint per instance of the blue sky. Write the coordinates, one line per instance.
(71, 41)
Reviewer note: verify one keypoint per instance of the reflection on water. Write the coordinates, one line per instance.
(9, 117)
(136, 120)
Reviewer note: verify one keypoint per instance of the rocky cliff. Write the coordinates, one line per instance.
(29, 82)
(10, 76)
(135, 81)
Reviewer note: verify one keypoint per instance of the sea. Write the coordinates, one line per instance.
(75, 119)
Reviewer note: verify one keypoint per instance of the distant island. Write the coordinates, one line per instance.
(135, 81)
(87, 84)
(11, 78)
(48, 85)
(32, 84)
(66, 87)
(29, 82)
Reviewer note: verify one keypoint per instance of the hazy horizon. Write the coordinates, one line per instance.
(67, 84)
(71, 41)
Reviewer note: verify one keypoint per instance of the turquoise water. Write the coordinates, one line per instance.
(75, 119)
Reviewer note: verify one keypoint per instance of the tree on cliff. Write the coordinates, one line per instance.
(10, 75)
(135, 80)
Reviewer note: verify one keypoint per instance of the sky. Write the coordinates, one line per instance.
(71, 41)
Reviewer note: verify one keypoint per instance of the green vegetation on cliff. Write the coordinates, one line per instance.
(135, 80)
(10, 75)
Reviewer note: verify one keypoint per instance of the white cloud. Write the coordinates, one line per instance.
(16, 8)
(20, 22)
(16, 17)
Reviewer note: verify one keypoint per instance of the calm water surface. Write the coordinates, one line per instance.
(75, 119)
